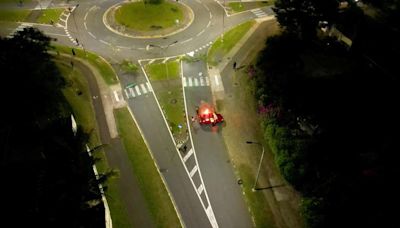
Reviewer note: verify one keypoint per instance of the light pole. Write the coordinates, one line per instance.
(163, 48)
(259, 165)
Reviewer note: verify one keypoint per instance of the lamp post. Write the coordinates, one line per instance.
(163, 48)
(259, 165)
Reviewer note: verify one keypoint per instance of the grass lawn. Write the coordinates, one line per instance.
(104, 67)
(219, 49)
(13, 15)
(15, 1)
(158, 71)
(147, 17)
(149, 180)
(48, 15)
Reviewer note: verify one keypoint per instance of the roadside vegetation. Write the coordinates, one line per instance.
(222, 47)
(49, 16)
(320, 100)
(237, 7)
(14, 15)
(144, 169)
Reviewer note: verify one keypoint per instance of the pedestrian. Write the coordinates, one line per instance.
(72, 64)
(184, 148)
(193, 119)
(234, 65)
(73, 52)
(77, 42)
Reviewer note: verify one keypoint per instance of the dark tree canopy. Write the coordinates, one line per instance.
(48, 179)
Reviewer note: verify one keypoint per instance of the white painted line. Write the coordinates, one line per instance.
(216, 79)
(187, 156)
(116, 95)
(126, 93)
(200, 73)
(191, 54)
(149, 87)
(201, 81)
(209, 23)
(207, 81)
(196, 82)
(193, 171)
(132, 92)
(104, 42)
(165, 60)
(84, 23)
(211, 217)
(138, 90)
(190, 82)
(152, 61)
(200, 189)
(63, 20)
(85, 16)
(184, 82)
(55, 34)
(92, 35)
(200, 32)
(143, 88)
(186, 40)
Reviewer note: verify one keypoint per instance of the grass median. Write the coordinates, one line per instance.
(220, 47)
(237, 7)
(168, 91)
(149, 179)
(48, 16)
(14, 15)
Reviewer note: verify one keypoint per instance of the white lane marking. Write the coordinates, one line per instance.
(211, 216)
(216, 79)
(132, 92)
(85, 16)
(191, 54)
(63, 20)
(193, 171)
(196, 82)
(143, 88)
(91, 35)
(152, 61)
(190, 82)
(127, 94)
(209, 23)
(186, 40)
(104, 42)
(149, 87)
(187, 156)
(138, 90)
(84, 24)
(200, 189)
(184, 82)
(116, 95)
(200, 32)
(165, 60)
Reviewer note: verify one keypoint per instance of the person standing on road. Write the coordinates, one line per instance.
(234, 65)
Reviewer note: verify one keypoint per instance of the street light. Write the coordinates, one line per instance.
(163, 48)
(259, 165)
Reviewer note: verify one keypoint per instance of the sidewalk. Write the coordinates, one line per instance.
(282, 201)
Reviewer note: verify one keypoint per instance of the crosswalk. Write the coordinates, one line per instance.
(19, 28)
(196, 81)
(259, 13)
(138, 90)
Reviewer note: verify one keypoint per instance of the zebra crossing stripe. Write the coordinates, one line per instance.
(149, 86)
(126, 93)
(207, 81)
(190, 82)
(116, 95)
(132, 92)
(143, 88)
(201, 81)
(184, 82)
(138, 90)
(193, 171)
(196, 82)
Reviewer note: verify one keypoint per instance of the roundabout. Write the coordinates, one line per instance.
(139, 20)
